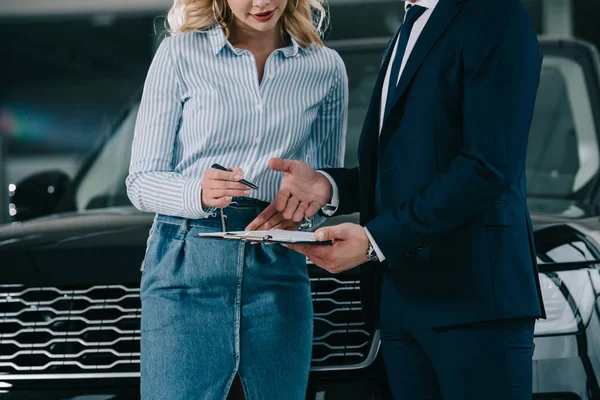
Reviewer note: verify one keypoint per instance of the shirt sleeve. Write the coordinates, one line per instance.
(330, 209)
(375, 247)
(152, 184)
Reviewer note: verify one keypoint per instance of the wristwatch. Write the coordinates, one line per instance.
(307, 223)
(372, 254)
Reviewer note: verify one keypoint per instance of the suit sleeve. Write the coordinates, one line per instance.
(502, 63)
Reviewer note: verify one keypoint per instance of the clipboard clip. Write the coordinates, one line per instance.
(264, 238)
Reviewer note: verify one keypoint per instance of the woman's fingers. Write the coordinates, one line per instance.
(287, 225)
(222, 197)
(218, 193)
(299, 213)
(219, 187)
(222, 202)
(216, 184)
(272, 222)
(282, 199)
(235, 174)
(263, 217)
(290, 209)
(266, 224)
(237, 171)
(312, 209)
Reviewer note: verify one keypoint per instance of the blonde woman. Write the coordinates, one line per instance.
(237, 83)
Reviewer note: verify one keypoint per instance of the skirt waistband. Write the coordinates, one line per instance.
(240, 212)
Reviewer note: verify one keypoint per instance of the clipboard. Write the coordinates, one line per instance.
(273, 236)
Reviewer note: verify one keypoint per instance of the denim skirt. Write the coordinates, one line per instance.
(212, 309)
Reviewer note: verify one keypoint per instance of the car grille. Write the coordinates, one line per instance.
(340, 336)
(68, 330)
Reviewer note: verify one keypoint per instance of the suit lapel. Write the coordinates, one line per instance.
(439, 20)
(372, 117)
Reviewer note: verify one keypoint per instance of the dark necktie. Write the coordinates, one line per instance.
(412, 14)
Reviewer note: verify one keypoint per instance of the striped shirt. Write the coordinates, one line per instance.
(202, 104)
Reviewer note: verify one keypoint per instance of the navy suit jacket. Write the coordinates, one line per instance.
(455, 228)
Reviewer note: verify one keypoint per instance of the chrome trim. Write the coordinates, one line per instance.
(14, 294)
(339, 303)
(64, 356)
(375, 345)
(333, 279)
(70, 340)
(337, 310)
(70, 363)
(335, 290)
(30, 377)
(75, 318)
(71, 333)
(69, 312)
(353, 347)
(67, 292)
(333, 332)
(65, 297)
(345, 354)
(340, 324)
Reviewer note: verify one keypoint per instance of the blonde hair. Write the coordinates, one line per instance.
(306, 24)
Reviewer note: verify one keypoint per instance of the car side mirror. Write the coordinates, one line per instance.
(38, 195)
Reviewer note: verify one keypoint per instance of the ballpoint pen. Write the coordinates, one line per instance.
(243, 181)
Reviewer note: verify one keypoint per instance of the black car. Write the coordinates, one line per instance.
(70, 265)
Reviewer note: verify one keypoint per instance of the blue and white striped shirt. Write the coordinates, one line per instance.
(202, 104)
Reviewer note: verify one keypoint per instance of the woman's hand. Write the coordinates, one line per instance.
(219, 187)
(270, 218)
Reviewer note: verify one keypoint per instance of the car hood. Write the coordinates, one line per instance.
(559, 208)
(126, 225)
(119, 225)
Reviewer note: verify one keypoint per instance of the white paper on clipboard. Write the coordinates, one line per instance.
(272, 236)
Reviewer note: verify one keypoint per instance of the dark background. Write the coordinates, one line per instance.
(66, 73)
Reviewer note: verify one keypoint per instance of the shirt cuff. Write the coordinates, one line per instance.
(375, 247)
(192, 200)
(331, 208)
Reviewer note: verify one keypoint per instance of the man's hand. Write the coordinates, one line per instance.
(303, 193)
(349, 248)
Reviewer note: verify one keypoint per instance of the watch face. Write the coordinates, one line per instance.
(372, 254)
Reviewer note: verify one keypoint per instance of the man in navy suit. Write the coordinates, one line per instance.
(442, 196)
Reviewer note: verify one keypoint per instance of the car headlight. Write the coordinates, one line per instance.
(569, 300)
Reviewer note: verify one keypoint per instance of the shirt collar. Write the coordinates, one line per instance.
(218, 41)
(422, 3)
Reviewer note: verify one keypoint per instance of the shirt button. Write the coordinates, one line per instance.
(271, 76)
(259, 107)
(257, 140)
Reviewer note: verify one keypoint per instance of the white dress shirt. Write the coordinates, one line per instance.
(414, 36)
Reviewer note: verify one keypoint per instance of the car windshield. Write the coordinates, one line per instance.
(563, 154)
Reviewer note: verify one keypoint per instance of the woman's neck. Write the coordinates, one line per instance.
(255, 41)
